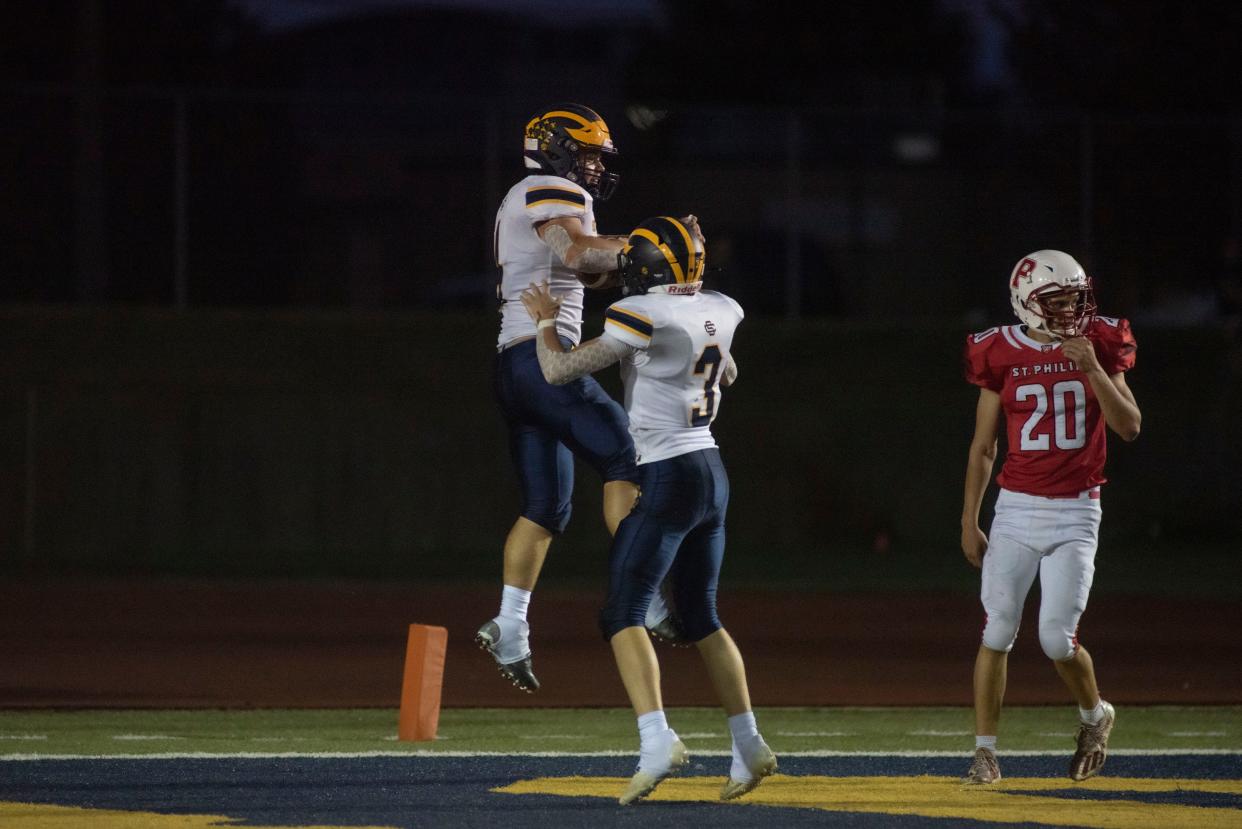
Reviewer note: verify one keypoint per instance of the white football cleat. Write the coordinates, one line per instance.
(644, 781)
(984, 769)
(1092, 746)
(760, 762)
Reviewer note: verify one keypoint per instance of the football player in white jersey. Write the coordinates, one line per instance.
(545, 232)
(1055, 381)
(673, 342)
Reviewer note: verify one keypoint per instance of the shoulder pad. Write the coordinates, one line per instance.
(630, 320)
(1114, 343)
(977, 366)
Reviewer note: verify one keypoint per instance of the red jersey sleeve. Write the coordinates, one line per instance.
(1115, 346)
(975, 365)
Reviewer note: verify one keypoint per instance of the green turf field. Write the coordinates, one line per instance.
(533, 730)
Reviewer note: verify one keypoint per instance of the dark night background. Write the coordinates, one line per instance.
(246, 278)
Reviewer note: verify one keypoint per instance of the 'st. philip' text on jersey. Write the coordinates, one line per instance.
(524, 258)
(1055, 430)
(672, 382)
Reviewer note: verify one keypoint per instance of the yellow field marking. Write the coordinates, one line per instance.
(44, 816)
(943, 797)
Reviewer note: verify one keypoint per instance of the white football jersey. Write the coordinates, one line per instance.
(525, 258)
(672, 383)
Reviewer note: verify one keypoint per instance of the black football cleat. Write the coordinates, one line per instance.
(662, 621)
(520, 671)
(668, 630)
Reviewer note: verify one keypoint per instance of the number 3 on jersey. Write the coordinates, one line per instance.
(1060, 415)
(708, 364)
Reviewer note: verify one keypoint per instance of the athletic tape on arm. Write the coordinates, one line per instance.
(596, 260)
(560, 368)
(557, 238)
(586, 260)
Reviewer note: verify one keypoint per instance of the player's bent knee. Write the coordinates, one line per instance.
(698, 623)
(620, 467)
(999, 633)
(697, 631)
(552, 516)
(1059, 644)
(616, 617)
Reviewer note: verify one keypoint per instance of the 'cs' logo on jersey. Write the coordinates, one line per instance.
(709, 327)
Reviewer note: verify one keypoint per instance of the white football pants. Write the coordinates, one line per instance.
(1054, 537)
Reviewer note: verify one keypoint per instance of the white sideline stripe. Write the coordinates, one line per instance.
(1197, 734)
(138, 737)
(23, 736)
(938, 733)
(815, 734)
(424, 753)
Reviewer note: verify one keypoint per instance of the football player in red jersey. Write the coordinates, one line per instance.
(1058, 379)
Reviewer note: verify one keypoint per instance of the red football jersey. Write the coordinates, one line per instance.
(1054, 425)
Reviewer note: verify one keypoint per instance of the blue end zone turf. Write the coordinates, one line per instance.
(458, 791)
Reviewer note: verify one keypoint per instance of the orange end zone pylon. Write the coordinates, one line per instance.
(420, 688)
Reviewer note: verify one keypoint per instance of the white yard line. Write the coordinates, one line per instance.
(1196, 734)
(816, 734)
(425, 753)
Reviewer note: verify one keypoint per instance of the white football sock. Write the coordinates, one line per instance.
(988, 742)
(1091, 716)
(513, 603)
(514, 631)
(652, 725)
(742, 726)
(656, 738)
(745, 737)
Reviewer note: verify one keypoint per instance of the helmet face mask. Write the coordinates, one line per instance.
(592, 174)
(1052, 294)
(661, 254)
(1064, 312)
(571, 141)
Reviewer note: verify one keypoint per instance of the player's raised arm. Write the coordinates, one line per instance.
(578, 249)
(600, 281)
(611, 278)
(559, 366)
(1121, 411)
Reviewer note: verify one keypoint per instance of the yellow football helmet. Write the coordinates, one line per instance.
(558, 138)
(661, 251)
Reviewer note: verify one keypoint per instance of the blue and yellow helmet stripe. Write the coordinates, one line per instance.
(583, 124)
(660, 251)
